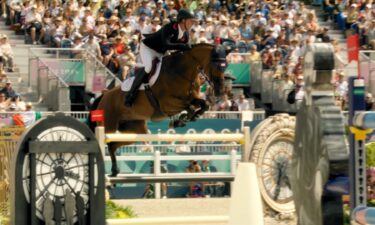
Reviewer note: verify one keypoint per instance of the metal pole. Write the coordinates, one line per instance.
(246, 144)
(157, 173)
(100, 137)
(356, 103)
(233, 166)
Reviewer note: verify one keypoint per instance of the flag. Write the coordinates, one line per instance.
(97, 115)
(353, 47)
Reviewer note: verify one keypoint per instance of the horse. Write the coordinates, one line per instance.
(176, 89)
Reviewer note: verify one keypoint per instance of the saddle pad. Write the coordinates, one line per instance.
(127, 83)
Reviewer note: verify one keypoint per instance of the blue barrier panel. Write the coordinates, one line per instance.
(364, 120)
(364, 215)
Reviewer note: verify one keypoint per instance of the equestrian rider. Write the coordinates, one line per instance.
(172, 36)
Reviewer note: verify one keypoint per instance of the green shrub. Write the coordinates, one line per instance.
(114, 211)
(370, 154)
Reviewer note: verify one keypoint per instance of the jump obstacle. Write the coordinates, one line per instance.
(246, 203)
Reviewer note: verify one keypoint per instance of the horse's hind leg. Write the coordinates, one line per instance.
(128, 126)
(112, 147)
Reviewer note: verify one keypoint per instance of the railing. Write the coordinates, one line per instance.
(177, 148)
(98, 76)
(51, 89)
(72, 67)
(257, 114)
(158, 176)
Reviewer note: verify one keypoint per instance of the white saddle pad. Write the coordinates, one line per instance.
(127, 83)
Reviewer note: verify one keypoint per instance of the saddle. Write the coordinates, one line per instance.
(150, 79)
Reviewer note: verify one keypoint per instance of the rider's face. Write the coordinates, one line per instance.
(188, 23)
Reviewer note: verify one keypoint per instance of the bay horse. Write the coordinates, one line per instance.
(176, 89)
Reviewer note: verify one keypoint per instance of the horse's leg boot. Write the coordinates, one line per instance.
(132, 94)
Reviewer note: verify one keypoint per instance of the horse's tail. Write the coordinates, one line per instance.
(94, 106)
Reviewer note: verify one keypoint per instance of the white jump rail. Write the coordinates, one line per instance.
(174, 137)
(171, 220)
(242, 138)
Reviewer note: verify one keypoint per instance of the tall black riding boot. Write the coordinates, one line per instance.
(132, 94)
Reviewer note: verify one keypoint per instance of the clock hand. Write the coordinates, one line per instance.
(277, 189)
(71, 174)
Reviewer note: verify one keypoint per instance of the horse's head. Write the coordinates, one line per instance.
(212, 63)
(218, 64)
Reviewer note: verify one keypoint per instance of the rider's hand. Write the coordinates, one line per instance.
(187, 47)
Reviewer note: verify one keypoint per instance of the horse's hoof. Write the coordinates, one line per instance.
(114, 173)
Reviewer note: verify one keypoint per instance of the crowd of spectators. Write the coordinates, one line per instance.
(272, 32)
(353, 17)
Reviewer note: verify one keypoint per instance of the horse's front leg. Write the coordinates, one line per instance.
(202, 108)
(196, 108)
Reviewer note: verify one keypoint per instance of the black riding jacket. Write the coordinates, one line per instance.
(166, 39)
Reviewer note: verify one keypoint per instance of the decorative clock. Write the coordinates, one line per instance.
(58, 175)
(272, 149)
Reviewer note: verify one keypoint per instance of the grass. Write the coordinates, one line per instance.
(114, 211)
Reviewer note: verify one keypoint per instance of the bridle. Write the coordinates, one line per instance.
(202, 73)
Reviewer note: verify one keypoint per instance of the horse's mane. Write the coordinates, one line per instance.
(193, 46)
(203, 45)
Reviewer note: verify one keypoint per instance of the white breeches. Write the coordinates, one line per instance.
(147, 55)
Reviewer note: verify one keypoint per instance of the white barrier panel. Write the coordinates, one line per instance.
(173, 137)
(170, 220)
(246, 202)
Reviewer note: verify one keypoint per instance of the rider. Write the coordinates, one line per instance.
(172, 36)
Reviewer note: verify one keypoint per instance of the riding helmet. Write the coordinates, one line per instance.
(184, 14)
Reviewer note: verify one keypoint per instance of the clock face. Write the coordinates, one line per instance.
(273, 172)
(58, 172)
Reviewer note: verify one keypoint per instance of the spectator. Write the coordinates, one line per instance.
(370, 35)
(106, 49)
(101, 27)
(195, 188)
(224, 104)
(206, 186)
(254, 54)
(57, 31)
(6, 49)
(93, 47)
(127, 61)
(352, 16)
(16, 104)
(369, 101)
(245, 31)
(243, 103)
(134, 44)
(300, 90)
(4, 102)
(29, 115)
(323, 35)
(341, 86)
(235, 57)
(8, 90)
(328, 7)
(33, 23)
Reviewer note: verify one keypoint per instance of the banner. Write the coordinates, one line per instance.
(240, 71)
(71, 71)
(97, 115)
(353, 47)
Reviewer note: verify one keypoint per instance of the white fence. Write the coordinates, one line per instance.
(242, 138)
